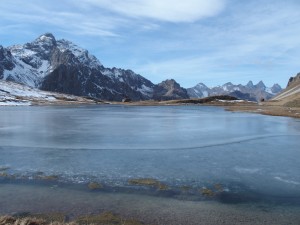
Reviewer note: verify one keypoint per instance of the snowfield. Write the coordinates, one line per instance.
(13, 94)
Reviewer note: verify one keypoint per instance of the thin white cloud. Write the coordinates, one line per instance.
(45, 14)
(261, 42)
(258, 38)
(163, 10)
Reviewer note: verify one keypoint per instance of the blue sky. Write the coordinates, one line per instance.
(192, 41)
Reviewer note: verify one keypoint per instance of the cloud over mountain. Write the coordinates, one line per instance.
(167, 10)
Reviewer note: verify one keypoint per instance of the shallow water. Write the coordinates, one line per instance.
(254, 158)
(18, 199)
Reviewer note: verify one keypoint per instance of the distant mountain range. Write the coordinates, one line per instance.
(249, 92)
(61, 66)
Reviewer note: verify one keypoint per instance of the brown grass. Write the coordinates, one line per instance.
(267, 109)
(106, 218)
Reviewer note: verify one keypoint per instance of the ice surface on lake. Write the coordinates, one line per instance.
(179, 145)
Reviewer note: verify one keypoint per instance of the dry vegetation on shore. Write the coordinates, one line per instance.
(106, 218)
(266, 109)
(272, 108)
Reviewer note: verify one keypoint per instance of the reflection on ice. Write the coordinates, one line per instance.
(287, 181)
(183, 146)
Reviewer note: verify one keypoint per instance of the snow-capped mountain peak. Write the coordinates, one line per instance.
(46, 39)
(62, 66)
(35, 60)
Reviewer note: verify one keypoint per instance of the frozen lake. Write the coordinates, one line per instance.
(181, 146)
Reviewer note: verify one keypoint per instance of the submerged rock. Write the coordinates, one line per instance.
(144, 182)
(50, 177)
(95, 186)
(149, 182)
(207, 192)
(210, 192)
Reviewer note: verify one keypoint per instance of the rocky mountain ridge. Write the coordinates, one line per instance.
(249, 91)
(61, 66)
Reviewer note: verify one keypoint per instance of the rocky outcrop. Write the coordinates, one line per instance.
(6, 61)
(168, 90)
(294, 81)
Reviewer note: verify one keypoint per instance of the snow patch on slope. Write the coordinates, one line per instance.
(145, 90)
(12, 89)
(13, 94)
(269, 90)
(22, 73)
(83, 55)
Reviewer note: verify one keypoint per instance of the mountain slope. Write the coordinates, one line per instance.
(294, 81)
(291, 95)
(13, 94)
